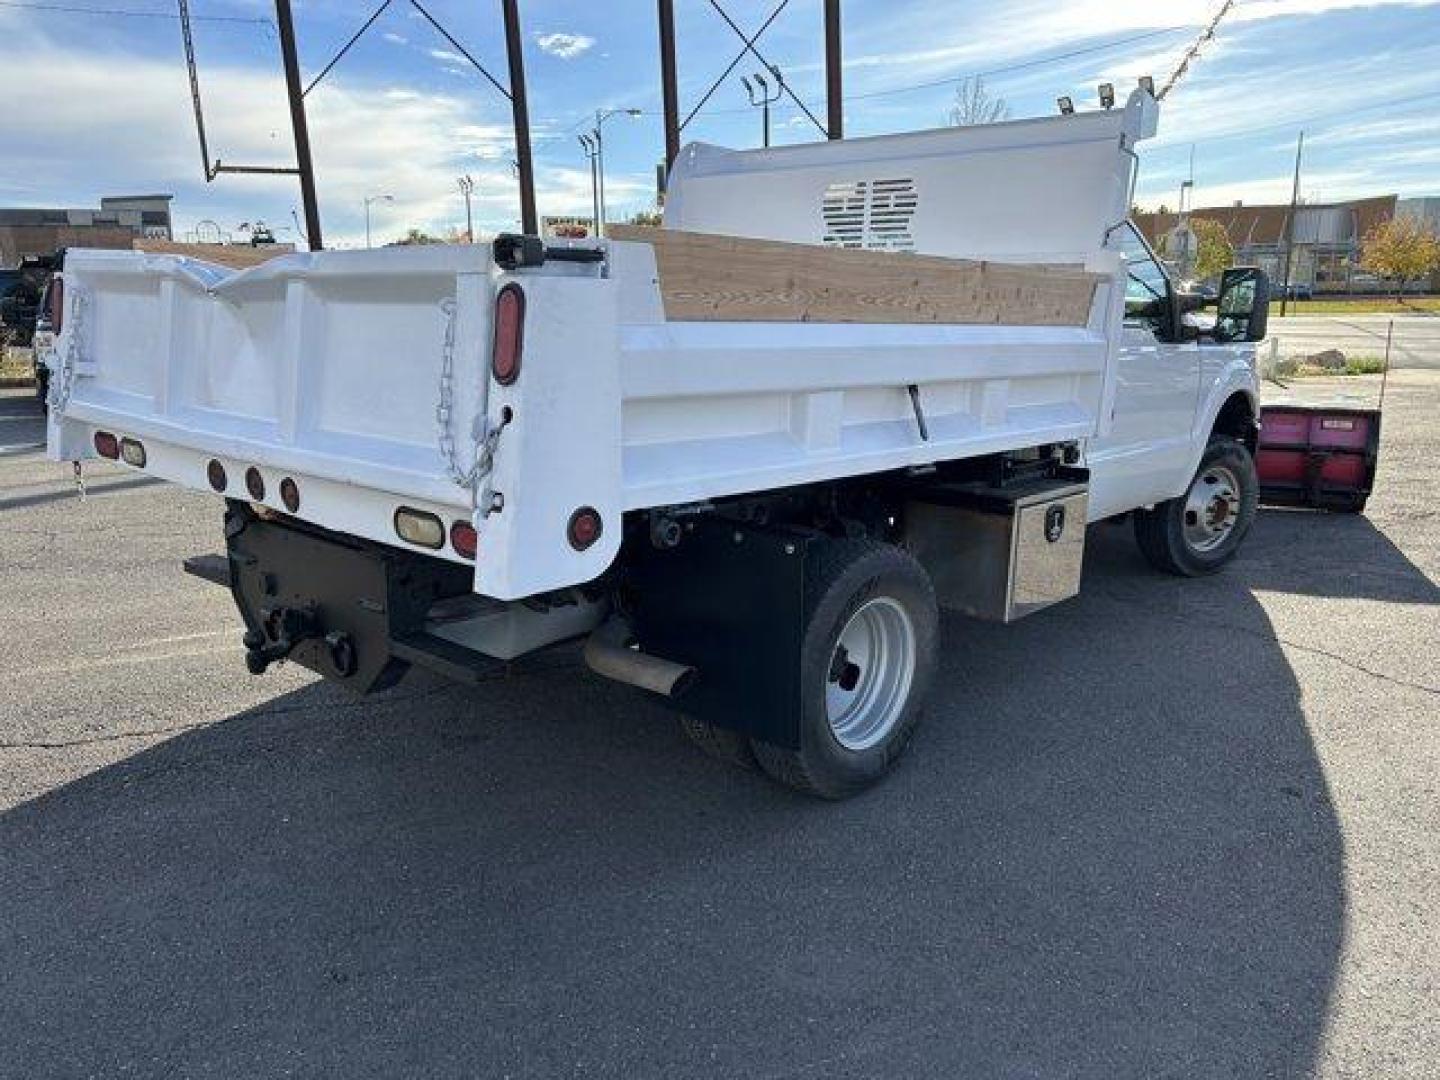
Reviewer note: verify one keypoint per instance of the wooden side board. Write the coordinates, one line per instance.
(704, 277)
(235, 256)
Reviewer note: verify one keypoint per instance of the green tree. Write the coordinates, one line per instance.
(651, 218)
(1402, 250)
(1213, 251)
(416, 236)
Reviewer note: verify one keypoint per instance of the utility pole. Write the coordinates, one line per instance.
(296, 92)
(467, 185)
(834, 92)
(592, 151)
(763, 98)
(1290, 228)
(520, 113)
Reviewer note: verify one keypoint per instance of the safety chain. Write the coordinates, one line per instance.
(63, 385)
(444, 413)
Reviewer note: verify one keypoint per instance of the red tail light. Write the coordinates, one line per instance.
(107, 445)
(509, 334)
(464, 539)
(57, 302)
(585, 528)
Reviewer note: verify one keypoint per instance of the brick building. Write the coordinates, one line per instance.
(119, 221)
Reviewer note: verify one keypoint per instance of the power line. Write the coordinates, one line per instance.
(951, 79)
(1320, 119)
(131, 13)
(1021, 66)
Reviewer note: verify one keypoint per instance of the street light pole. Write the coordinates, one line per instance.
(601, 115)
(467, 185)
(373, 199)
(763, 99)
(587, 143)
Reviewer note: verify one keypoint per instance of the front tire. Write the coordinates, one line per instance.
(1199, 532)
(867, 658)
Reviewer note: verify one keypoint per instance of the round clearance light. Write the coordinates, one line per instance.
(585, 528)
(215, 473)
(419, 528)
(464, 539)
(133, 452)
(255, 484)
(290, 495)
(107, 445)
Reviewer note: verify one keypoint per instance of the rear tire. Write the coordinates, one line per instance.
(867, 657)
(1199, 532)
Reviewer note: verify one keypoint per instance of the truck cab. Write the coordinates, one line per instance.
(1181, 377)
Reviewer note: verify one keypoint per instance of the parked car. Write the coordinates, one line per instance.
(43, 343)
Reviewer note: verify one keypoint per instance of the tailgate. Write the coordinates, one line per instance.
(324, 369)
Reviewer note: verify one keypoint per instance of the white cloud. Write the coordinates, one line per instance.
(395, 39)
(565, 46)
(447, 56)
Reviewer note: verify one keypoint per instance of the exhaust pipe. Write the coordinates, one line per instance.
(608, 652)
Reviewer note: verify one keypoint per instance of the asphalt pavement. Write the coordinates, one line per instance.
(1167, 829)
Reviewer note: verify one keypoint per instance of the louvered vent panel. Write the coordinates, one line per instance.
(872, 214)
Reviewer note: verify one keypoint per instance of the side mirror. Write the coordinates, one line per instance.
(1244, 304)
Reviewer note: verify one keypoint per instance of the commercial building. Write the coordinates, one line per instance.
(117, 223)
(1328, 237)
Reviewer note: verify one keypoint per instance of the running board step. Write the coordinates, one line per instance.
(447, 659)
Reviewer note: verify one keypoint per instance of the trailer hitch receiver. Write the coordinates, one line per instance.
(283, 629)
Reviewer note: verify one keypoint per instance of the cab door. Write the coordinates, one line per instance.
(1146, 456)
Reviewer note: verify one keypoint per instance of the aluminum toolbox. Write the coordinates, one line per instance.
(1001, 553)
(1320, 456)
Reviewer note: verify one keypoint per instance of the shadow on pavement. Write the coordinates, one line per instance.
(1110, 853)
(1335, 555)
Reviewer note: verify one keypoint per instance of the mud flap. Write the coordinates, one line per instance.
(729, 600)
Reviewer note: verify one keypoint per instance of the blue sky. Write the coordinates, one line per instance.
(98, 102)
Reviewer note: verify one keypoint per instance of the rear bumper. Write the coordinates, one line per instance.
(349, 610)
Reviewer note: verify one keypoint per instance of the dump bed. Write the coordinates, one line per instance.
(650, 377)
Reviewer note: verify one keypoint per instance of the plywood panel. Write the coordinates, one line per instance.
(705, 277)
(235, 256)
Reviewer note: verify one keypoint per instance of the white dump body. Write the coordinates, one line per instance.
(327, 368)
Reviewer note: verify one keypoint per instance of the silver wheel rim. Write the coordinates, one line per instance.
(1212, 506)
(870, 673)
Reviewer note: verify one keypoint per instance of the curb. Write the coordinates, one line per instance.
(18, 382)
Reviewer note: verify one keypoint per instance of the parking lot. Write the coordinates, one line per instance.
(1170, 828)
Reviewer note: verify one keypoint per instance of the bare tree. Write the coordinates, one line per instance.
(974, 105)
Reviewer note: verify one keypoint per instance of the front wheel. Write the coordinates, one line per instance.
(868, 654)
(1201, 531)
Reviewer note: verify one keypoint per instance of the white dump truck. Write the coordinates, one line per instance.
(746, 458)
